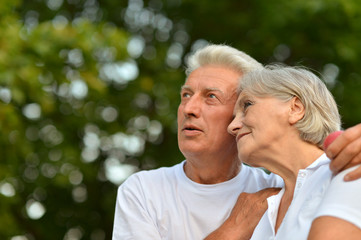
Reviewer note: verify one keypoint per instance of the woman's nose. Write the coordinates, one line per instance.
(234, 126)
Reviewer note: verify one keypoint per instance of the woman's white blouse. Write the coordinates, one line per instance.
(315, 195)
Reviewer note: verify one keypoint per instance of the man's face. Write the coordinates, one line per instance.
(207, 101)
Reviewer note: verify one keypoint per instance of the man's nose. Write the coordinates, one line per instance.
(192, 107)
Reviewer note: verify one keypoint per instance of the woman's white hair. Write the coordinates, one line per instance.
(223, 55)
(321, 112)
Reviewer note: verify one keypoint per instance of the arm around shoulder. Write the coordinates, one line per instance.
(345, 152)
(339, 214)
(333, 228)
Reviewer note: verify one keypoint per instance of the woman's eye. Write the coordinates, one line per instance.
(247, 104)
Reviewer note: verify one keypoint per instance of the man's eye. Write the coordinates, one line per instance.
(185, 95)
(212, 95)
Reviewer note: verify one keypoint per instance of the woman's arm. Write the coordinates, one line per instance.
(333, 228)
(339, 214)
(245, 216)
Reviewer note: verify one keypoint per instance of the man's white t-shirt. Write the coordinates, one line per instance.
(165, 204)
(315, 195)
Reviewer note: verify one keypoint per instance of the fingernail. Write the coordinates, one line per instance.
(347, 178)
(329, 154)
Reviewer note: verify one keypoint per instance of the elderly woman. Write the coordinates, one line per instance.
(282, 117)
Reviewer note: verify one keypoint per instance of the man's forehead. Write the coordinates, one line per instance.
(189, 87)
(215, 72)
(216, 78)
(209, 78)
(209, 83)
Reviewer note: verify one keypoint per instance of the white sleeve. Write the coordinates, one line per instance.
(132, 220)
(342, 199)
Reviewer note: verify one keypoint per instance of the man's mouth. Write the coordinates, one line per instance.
(191, 128)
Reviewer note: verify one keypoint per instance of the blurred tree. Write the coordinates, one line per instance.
(74, 123)
(89, 92)
(320, 34)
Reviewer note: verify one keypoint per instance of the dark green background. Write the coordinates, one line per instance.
(60, 158)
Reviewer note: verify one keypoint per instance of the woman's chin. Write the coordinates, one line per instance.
(249, 160)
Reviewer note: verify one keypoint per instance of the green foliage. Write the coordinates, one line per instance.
(89, 92)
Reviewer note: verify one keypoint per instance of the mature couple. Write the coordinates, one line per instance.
(279, 117)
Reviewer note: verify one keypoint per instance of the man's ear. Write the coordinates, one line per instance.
(297, 110)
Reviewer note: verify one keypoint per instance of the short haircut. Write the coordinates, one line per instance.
(283, 82)
(222, 55)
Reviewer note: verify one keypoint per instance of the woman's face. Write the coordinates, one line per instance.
(259, 126)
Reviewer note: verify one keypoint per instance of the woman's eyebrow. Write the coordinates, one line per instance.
(240, 101)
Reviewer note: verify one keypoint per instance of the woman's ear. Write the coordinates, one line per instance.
(297, 110)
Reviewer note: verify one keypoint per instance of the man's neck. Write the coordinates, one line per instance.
(212, 171)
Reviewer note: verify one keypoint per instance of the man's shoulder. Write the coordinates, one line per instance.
(154, 175)
(149, 183)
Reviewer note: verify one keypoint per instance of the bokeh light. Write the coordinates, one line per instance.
(7, 189)
(35, 209)
(5, 95)
(32, 111)
(117, 172)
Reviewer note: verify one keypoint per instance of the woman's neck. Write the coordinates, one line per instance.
(284, 205)
(286, 162)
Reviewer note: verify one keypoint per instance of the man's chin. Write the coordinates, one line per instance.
(190, 149)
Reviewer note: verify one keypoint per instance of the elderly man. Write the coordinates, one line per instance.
(209, 193)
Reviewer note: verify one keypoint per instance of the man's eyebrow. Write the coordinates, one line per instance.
(210, 89)
(185, 87)
(214, 89)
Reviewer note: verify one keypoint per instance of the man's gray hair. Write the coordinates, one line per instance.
(222, 55)
(321, 112)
